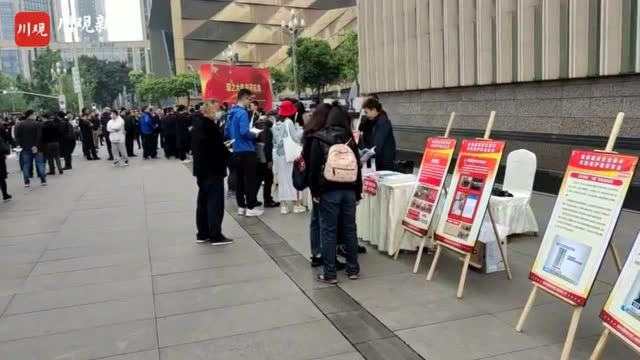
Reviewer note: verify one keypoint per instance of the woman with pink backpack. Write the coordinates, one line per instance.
(335, 181)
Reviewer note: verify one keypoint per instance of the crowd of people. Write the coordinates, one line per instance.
(251, 147)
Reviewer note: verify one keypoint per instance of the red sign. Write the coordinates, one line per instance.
(222, 83)
(370, 185)
(469, 193)
(433, 170)
(32, 29)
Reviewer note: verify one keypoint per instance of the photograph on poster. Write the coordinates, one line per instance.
(567, 259)
(476, 184)
(458, 204)
(470, 206)
(632, 303)
(465, 182)
(423, 193)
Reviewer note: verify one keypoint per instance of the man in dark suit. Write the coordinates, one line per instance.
(210, 157)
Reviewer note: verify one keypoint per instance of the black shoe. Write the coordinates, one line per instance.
(222, 240)
(6, 198)
(133, 155)
(61, 172)
(67, 168)
(340, 265)
(110, 158)
(316, 261)
(51, 173)
(341, 251)
(271, 204)
(362, 249)
(258, 203)
(202, 241)
(145, 158)
(324, 280)
(97, 158)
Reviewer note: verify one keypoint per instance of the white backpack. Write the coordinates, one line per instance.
(341, 165)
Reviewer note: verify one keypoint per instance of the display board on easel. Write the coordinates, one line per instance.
(621, 312)
(426, 193)
(468, 199)
(580, 228)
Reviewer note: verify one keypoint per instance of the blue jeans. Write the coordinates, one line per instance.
(338, 210)
(314, 232)
(26, 157)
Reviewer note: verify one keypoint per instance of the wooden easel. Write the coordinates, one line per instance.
(603, 341)
(430, 230)
(577, 311)
(467, 256)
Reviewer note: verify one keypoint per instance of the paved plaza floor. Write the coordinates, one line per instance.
(103, 264)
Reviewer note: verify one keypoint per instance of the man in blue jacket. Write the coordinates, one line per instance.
(149, 147)
(244, 160)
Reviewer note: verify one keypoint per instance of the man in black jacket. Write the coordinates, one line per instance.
(380, 133)
(183, 138)
(264, 153)
(104, 119)
(169, 132)
(68, 143)
(129, 131)
(51, 139)
(210, 156)
(87, 134)
(28, 134)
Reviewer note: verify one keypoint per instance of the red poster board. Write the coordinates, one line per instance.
(469, 193)
(581, 224)
(433, 170)
(222, 83)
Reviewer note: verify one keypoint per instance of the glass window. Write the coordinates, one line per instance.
(629, 35)
(10, 62)
(6, 20)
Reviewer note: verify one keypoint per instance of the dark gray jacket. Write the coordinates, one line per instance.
(29, 134)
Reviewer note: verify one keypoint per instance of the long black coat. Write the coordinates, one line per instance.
(210, 154)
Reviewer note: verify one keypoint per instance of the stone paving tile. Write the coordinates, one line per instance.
(387, 349)
(11, 286)
(226, 256)
(76, 317)
(215, 276)
(360, 326)
(15, 271)
(300, 271)
(288, 342)
(85, 344)
(332, 300)
(89, 262)
(142, 355)
(211, 324)
(4, 302)
(347, 356)
(249, 292)
(81, 295)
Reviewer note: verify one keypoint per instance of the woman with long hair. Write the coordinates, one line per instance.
(283, 128)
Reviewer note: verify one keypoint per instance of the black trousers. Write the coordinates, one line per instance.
(89, 148)
(183, 146)
(106, 138)
(68, 145)
(210, 207)
(265, 175)
(149, 145)
(170, 146)
(52, 152)
(245, 165)
(128, 143)
(137, 137)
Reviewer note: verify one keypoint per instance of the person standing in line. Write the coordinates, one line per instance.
(316, 123)
(169, 132)
(68, 144)
(147, 129)
(381, 135)
(97, 130)
(210, 157)
(117, 137)
(51, 139)
(264, 153)
(282, 129)
(104, 119)
(87, 135)
(301, 114)
(157, 123)
(136, 128)
(28, 135)
(244, 155)
(183, 137)
(337, 200)
(5, 150)
(129, 130)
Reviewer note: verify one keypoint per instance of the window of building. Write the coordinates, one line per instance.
(6, 20)
(10, 62)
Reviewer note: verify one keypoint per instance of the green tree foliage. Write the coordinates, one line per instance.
(347, 55)
(183, 85)
(317, 64)
(42, 79)
(103, 80)
(10, 102)
(280, 79)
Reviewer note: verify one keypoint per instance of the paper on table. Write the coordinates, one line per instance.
(366, 154)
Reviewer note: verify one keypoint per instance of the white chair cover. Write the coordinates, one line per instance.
(516, 212)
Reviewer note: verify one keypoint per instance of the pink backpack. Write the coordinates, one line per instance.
(341, 165)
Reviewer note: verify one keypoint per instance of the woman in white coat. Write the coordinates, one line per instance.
(115, 127)
(283, 128)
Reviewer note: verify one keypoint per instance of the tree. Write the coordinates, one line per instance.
(10, 102)
(42, 80)
(183, 85)
(103, 80)
(317, 64)
(347, 55)
(280, 79)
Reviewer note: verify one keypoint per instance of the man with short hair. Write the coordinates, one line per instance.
(378, 128)
(104, 119)
(169, 133)
(28, 135)
(183, 138)
(244, 155)
(210, 156)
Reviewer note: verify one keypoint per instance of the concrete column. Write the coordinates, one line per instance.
(411, 45)
(578, 38)
(436, 43)
(424, 45)
(451, 40)
(550, 39)
(506, 13)
(178, 37)
(484, 34)
(467, 30)
(526, 39)
(610, 37)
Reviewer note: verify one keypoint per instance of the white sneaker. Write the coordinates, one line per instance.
(186, 161)
(299, 209)
(254, 212)
(242, 211)
(284, 210)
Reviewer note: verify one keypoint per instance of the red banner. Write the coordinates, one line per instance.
(222, 83)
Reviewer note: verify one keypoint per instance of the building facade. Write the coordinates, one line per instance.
(556, 71)
(187, 33)
(81, 27)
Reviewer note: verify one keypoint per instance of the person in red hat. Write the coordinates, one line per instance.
(283, 129)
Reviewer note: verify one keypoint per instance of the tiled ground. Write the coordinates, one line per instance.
(102, 264)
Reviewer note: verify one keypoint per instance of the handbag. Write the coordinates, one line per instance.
(292, 149)
(299, 175)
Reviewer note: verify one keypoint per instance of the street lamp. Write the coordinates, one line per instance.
(294, 28)
(230, 55)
